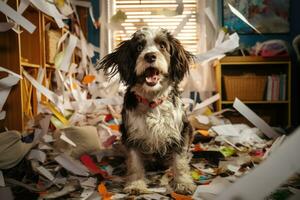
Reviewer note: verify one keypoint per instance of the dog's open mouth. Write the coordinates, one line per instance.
(151, 76)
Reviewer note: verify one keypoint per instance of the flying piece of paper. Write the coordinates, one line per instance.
(254, 119)
(239, 15)
(18, 18)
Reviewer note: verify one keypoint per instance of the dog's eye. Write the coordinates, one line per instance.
(162, 45)
(139, 47)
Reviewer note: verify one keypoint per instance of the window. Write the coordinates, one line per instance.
(158, 13)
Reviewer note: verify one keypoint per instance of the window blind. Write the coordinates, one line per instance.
(158, 13)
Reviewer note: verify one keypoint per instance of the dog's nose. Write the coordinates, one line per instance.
(150, 57)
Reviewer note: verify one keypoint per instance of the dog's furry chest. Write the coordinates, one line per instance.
(155, 130)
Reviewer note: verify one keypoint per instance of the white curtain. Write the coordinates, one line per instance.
(105, 33)
(202, 77)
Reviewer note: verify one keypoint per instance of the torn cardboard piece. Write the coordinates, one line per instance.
(254, 119)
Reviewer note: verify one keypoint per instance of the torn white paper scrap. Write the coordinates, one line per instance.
(44, 146)
(2, 69)
(19, 19)
(205, 103)
(220, 37)
(254, 119)
(226, 130)
(5, 87)
(45, 172)
(218, 52)
(5, 26)
(87, 192)
(239, 15)
(90, 182)
(72, 165)
(83, 46)
(92, 16)
(40, 78)
(45, 91)
(233, 168)
(230, 143)
(61, 39)
(66, 139)
(2, 182)
(157, 190)
(203, 119)
(147, 196)
(60, 181)
(65, 9)
(49, 9)
(37, 155)
(8, 81)
(277, 168)
(65, 63)
(23, 6)
(48, 138)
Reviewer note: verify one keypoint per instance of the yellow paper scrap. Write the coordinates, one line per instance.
(58, 114)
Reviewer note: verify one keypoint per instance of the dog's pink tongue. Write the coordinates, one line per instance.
(152, 76)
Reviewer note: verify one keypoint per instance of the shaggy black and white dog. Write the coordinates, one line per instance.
(154, 124)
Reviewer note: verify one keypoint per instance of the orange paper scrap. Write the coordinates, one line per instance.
(203, 132)
(103, 192)
(88, 79)
(114, 127)
(180, 196)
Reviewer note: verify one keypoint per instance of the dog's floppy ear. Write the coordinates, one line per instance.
(180, 59)
(120, 60)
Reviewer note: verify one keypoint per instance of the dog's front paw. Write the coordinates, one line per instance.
(184, 187)
(136, 187)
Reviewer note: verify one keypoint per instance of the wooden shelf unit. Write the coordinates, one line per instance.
(28, 52)
(277, 113)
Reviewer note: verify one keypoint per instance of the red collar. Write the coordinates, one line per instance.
(151, 104)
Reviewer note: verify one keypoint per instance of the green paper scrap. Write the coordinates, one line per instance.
(227, 151)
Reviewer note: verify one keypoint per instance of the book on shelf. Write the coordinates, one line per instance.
(276, 87)
(282, 87)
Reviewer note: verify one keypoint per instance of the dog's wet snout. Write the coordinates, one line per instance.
(150, 57)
